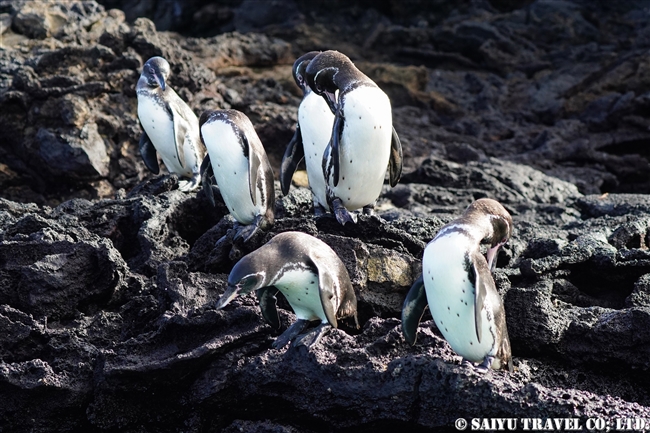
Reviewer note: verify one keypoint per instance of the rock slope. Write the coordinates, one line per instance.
(108, 275)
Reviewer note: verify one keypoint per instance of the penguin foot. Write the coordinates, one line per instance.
(369, 209)
(485, 365)
(245, 233)
(189, 185)
(319, 211)
(341, 213)
(312, 337)
(290, 334)
(467, 363)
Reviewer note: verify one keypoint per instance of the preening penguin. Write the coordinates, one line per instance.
(309, 274)
(313, 131)
(170, 126)
(457, 284)
(237, 160)
(363, 142)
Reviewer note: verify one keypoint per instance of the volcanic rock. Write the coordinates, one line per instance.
(109, 275)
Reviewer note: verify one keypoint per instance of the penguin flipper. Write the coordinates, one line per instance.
(206, 179)
(328, 294)
(395, 162)
(414, 306)
(253, 166)
(180, 130)
(148, 153)
(478, 271)
(333, 152)
(268, 305)
(292, 156)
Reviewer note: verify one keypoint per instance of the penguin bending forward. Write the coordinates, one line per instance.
(309, 274)
(457, 284)
(363, 142)
(170, 126)
(236, 159)
(313, 132)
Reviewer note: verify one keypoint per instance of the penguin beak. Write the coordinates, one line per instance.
(231, 293)
(160, 79)
(492, 254)
(330, 98)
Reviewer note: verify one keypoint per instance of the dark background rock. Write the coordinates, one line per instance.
(108, 274)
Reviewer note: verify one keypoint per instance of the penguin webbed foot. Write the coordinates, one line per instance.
(190, 185)
(312, 337)
(342, 215)
(319, 211)
(291, 333)
(484, 367)
(247, 232)
(369, 209)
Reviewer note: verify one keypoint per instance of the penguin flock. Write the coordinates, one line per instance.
(345, 135)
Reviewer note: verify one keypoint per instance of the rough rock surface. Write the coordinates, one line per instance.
(109, 275)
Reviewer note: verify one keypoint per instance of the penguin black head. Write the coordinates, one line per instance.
(330, 71)
(500, 221)
(246, 276)
(299, 68)
(499, 218)
(155, 71)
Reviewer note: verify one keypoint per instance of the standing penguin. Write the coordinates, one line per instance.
(363, 142)
(170, 126)
(313, 132)
(309, 274)
(241, 169)
(457, 284)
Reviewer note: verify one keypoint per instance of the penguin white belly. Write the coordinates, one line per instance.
(364, 147)
(300, 287)
(230, 168)
(316, 120)
(450, 295)
(158, 125)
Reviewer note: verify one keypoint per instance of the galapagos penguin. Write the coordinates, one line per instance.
(170, 126)
(363, 142)
(238, 162)
(457, 284)
(309, 274)
(313, 132)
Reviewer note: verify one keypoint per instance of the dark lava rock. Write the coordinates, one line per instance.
(109, 275)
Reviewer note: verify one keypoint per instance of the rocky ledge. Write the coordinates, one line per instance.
(108, 275)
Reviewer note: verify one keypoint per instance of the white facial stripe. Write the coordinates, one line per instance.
(261, 274)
